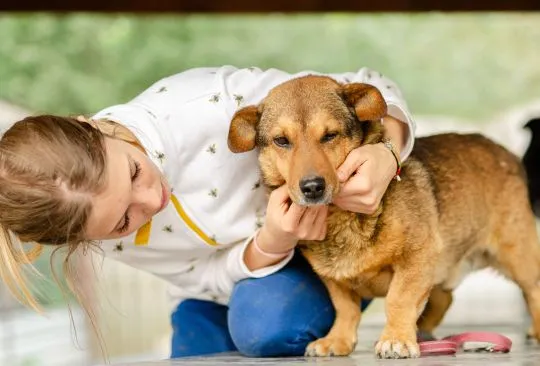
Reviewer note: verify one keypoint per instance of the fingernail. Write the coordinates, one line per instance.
(341, 175)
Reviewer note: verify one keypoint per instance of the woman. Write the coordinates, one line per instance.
(152, 184)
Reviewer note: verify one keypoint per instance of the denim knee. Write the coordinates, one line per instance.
(266, 325)
(270, 333)
(199, 328)
(279, 315)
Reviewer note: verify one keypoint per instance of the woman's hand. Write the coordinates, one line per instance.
(285, 224)
(368, 170)
(365, 174)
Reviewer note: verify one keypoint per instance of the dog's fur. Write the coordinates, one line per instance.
(531, 161)
(462, 205)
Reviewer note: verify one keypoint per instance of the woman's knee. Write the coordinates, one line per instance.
(199, 327)
(279, 315)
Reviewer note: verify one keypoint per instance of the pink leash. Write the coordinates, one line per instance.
(468, 341)
(437, 348)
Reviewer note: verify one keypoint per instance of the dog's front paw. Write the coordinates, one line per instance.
(330, 347)
(397, 346)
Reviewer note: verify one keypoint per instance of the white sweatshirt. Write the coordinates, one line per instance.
(197, 242)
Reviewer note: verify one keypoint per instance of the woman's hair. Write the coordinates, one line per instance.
(50, 167)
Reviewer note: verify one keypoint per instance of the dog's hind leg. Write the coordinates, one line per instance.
(438, 303)
(518, 255)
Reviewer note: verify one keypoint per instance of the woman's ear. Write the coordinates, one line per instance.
(242, 130)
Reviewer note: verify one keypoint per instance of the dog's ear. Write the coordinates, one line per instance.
(366, 100)
(242, 130)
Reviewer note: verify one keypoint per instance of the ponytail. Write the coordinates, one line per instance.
(14, 262)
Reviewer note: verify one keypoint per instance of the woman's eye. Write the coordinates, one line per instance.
(281, 141)
(137, 171)
(126, 224)
(329, 137)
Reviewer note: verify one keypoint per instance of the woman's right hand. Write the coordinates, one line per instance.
(286, 223)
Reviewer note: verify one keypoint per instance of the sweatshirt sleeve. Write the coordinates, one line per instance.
(220, 271)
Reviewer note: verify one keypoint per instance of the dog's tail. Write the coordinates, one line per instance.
(531, 162)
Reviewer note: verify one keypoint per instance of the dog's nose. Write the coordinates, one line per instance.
(313, 187)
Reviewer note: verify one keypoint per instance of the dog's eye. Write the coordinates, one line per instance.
(329, 137)
(281, 141)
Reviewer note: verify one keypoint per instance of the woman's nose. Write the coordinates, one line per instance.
(147, 200)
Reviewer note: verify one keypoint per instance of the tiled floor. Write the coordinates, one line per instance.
(522, 354)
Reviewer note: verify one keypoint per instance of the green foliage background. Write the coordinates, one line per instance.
(467, 65)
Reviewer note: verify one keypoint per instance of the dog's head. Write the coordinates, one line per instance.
(304, 130)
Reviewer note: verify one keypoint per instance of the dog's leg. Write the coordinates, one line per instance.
(406, 298)
(438, 304)
(341, 340)
(520, 259)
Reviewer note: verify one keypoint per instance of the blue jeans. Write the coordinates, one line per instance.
(274, 316)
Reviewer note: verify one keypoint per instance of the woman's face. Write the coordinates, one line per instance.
(135, 191)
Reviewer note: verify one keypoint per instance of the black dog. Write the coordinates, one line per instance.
(531, 160)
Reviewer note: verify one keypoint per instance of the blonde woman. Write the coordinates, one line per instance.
(152, 183)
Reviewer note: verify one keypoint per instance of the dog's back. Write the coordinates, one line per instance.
(470, 173)
(480, 191)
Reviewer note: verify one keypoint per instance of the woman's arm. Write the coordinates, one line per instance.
(397, 131)
(369, 169)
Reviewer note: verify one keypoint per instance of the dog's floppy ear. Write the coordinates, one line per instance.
(366, 100)
(242, 130)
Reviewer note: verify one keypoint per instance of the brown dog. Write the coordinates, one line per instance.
(462, 205)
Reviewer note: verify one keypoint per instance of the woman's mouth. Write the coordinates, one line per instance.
(165, 195)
